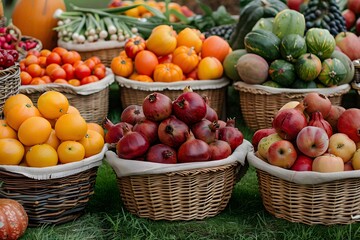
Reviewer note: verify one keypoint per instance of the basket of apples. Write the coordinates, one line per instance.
(308, 163)
(172, 160)
(9, 75)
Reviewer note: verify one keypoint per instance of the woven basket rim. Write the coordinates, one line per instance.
(58, 171)
(244, 87)
(355, 85)
(124, 167)
(86, 89)
(299, 177)
(91, 46)
(179, 85)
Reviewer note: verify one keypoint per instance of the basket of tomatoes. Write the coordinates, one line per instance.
(85, 82)
(168, 64)
(52, 183)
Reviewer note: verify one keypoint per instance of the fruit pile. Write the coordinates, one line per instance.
(351, 15)
(60, 66)
(51, 133)
(283, 55)
(167, 56)
(10, 39)
(311, 135)
(8, 58)
(179, 131)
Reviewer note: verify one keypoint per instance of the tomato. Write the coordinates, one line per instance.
(100, 65)
(74, 82)
(34, 70)
(46, 79)
(89, 79)
(69, 70)
(60, 81)
(60, 50)
(58, 73)
(37, 81)
(77, 63)
(90, 63)
(82, 71)
(30, 59)
(96, 60)
(42, 61)
(53, 58)
(134, 45)
(49, 68)
(68, 57)
(25, 78)
(99, 72)
(45, 52)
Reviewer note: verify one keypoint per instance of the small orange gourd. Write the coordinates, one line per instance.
(190, 38)
(122, 66)
(186, 58)
(162, 40)
(13, 219)
(168, 72)
(35, 18)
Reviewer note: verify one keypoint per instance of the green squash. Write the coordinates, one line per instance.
(300, 84)
(230, 62)
(289, 22)
(263, 43)
(333, 72)
(292, 46)
(308, 67)
(264, 24)
(320, 42)
(282, 72)
(349, 65)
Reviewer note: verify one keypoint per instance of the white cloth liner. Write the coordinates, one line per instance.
(91, 46)
(273, 90)
(85, 89)
(299, 177)
(124, 167)
(179, 85)
(58, 171)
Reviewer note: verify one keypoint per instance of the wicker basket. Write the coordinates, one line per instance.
(92, 100)
(190, 191)
(259, 103)
(10, 83)
(134, 92)
(105, 50)
(23, 52)
(308, 197)
(51, 195)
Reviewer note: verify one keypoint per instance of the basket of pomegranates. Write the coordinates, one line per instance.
(9, 75)
(171, 161)
(258, 103)
(307, 165)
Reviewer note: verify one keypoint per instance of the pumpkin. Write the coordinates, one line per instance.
(134, 45)
(13, 219)
(141, 77)
(320, 42)
(35, 18)
(122, 66)
(332, 72)
(190, 38)
(282, 72)
(292, 46)
(308, 67)
(289, 22)
(186, 58)
(162, 40)
(348, 64)
(167, 72)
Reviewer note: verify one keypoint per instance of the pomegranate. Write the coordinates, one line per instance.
(219, 149)
(205, 130)
(334, 115)
(161, 153)
(193, 150)
(147, 128)
(132, 145)
(317, 120)
(288, 122)
(189, 107)
(349, 123)
(157, 106)
(173, 132)
(211, 114)
(114, 131)
(317, 102)
(230, 134)
(132, 114)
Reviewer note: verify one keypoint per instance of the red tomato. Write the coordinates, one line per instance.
(100, 65)
(82, 71)
(58, 73)
(89, 79)
(53, 58)
(69, 69)
(96, 59)
(74, 82)
(90, 63)
(99, 73)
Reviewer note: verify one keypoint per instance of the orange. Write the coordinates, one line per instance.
(19, 113)
(25, 78)
(41, 155)
(73, 109)
(70, 126)
(52, 104)
(53, 140)
(30, 59)
(34, 130)
(34, 70)
(145, 62)
(15, 99)
(11, 151)
(96, 127)
(93, 143)
(70, 151)
(6, 131)
(45, 52)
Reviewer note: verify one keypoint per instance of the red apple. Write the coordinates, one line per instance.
(302, 163)
(265, 143)
(342, 146)
(357, 26)
(349, 43)
(259, 134)
(354, 5)
(349, 17)
(282, 154)
(295, 4)
(312, 141)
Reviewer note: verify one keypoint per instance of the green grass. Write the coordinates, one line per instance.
(244, 217)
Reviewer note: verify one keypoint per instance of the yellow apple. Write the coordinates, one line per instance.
(356, 160)
(342, 146)
(265, 143)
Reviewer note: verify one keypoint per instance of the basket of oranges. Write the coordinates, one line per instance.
(51, 168)
(85, 82)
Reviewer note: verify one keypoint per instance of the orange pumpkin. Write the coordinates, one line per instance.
(141, 78)
(134, 45)
(13, 218)
(122, 66)
(188, 37)
(186, 58)
(162, 40)
(215, 46)
(168, 72)
(35, 18)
